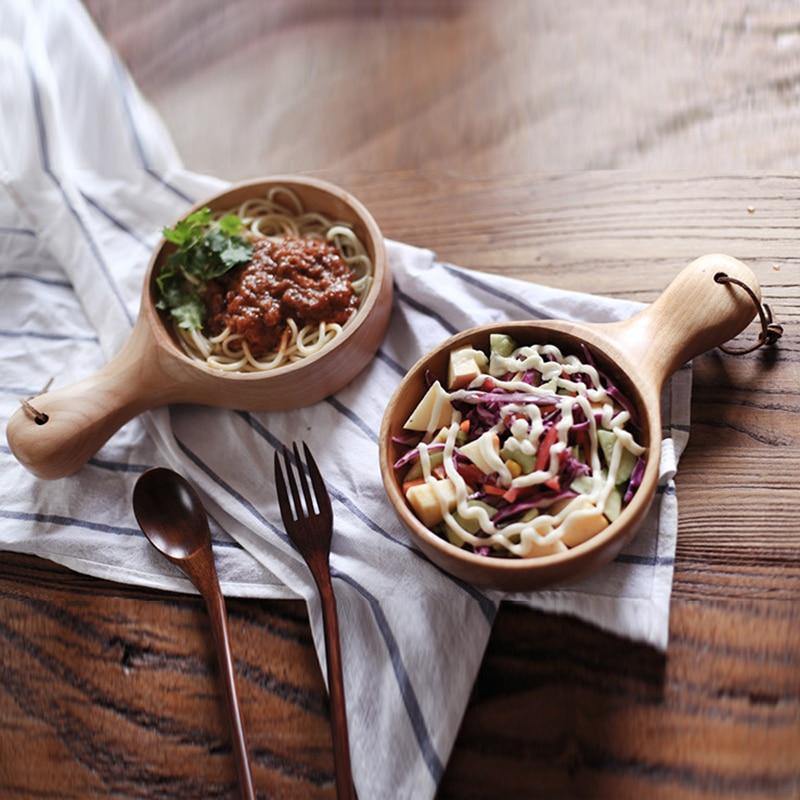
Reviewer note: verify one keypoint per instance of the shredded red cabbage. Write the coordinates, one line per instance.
(496, 396)
(413, 455)
(477, 425)
(571, 469)
(405, 439)
(636, 480)
(587, 354)
(613, 390)
(621, 400)
(532, 376)
(521, 506)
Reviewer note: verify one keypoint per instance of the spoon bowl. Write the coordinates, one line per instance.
(170, 514)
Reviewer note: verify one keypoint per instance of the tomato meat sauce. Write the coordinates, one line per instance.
(302, 279)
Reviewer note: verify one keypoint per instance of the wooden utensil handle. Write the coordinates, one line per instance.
(694, 314)
(333, 658)
(215, 603)
(81, 417)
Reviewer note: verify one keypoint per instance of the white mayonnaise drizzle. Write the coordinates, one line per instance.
(524, 538)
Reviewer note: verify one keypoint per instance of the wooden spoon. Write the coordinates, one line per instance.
(170, 514)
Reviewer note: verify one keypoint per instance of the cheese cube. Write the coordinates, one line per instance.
(474, 451)
(425, 500)
(433, 411)
(582, 525)
(465, 365)
(546, 549)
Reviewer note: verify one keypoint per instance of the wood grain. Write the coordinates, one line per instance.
(103, 694)
(108, 686)
(467, 87)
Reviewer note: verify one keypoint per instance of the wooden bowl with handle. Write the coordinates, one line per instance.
(694, 314)
(152, 370)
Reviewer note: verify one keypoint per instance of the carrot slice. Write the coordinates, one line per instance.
(543, 454)
(511, 495)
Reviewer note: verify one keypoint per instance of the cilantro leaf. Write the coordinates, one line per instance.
(205, 249)
(189, 314)
(230, 251)
(230, 225)
(201, 218)
(190, 229)
(237, 252)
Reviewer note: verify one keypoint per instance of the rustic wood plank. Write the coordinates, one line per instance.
(108, 691)
(464, 86)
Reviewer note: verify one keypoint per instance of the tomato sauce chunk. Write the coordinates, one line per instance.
(302, 279)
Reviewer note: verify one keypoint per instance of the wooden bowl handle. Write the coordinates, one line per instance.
(694, 314)
(81, 417)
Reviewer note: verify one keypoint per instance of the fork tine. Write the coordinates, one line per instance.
(303, 478)
(283, 498)
(320, 492)
(298, 506)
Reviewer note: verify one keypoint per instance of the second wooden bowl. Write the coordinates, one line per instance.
(152, 370)
(694, 314)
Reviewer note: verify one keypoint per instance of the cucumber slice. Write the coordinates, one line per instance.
(471, 525)
(415, 470)
(582, 484)
(453, 538)
(613, 506)
(607, 440)
(626, 465)
(502, 344)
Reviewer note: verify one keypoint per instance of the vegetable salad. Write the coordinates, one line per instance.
(528, 452)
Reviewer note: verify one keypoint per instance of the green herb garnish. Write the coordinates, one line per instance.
(207, 248)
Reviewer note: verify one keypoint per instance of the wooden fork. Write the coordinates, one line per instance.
(311, 531)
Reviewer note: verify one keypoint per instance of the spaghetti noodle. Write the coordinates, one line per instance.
(306, 281)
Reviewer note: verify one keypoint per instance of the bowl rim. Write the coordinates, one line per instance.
(159, 326)
(628, 520)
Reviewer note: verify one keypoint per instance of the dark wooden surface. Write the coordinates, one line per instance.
(110, 690)
(469, 87)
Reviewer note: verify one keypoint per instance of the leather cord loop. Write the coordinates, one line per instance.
(770, 331)
(39, 417)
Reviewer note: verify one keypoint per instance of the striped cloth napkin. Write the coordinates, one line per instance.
(89, 176)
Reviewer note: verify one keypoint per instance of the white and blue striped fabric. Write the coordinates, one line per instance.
(89, 176)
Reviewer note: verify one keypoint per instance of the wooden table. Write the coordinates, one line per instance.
(109, 688)
(106, 689)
